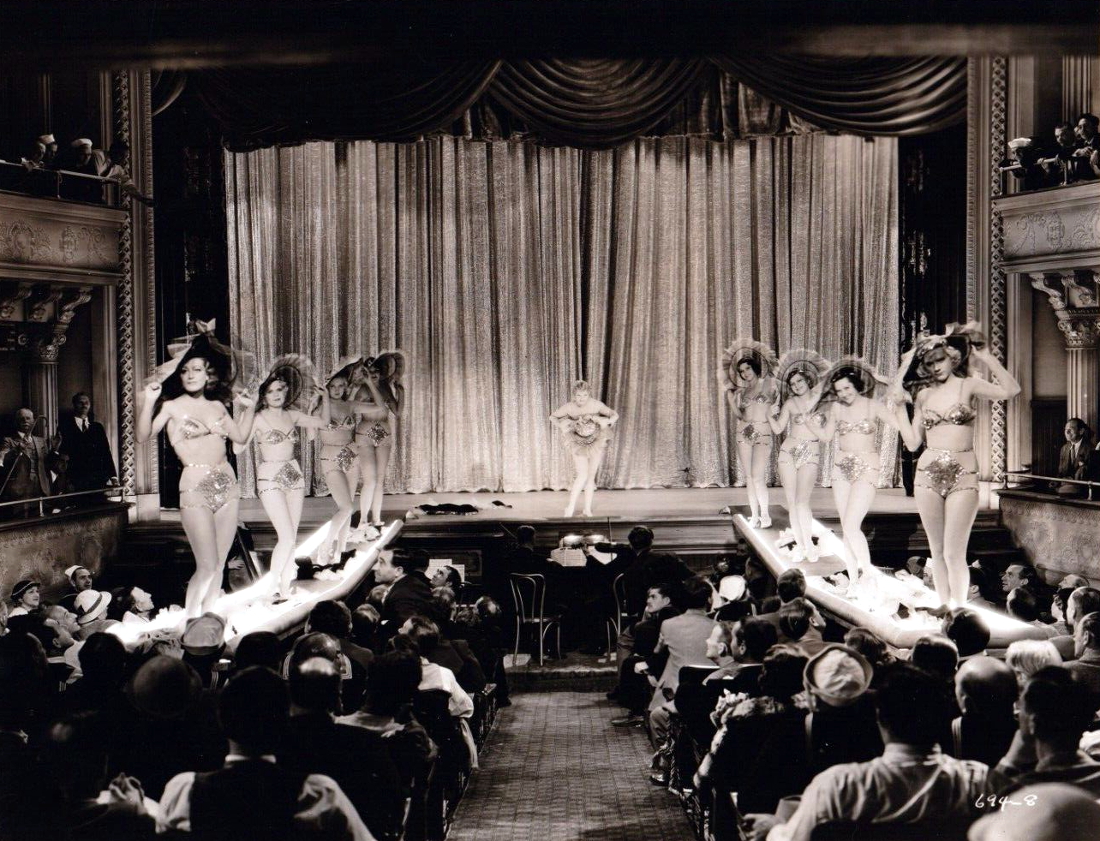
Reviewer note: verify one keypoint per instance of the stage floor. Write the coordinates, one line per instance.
(618, 506)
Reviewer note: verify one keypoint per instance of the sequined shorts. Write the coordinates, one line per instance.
(798, 452)
(337, 457)
(947, 471)
(376, 433)
(754, 433)
(857, 467)
(208, 486)
(282, 476)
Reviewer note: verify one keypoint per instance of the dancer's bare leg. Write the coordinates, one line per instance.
(381, 463)
(931, 507)
(841, 491)
(279, 508)
(368, 465)
(788, 478)
(342, 487)
(807, 480)
(580, 464)
(761, 463)
(594, 462)
(860, 497)
(960, 509)
(744, 456)
(202, 534)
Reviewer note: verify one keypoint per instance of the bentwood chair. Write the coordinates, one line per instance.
(621, 618)
(528, 598)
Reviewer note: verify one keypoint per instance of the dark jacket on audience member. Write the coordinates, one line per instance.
(410, 595)
(91, 463)
(1087, 670)
(357, 759)
(457, 656)
(648, 569)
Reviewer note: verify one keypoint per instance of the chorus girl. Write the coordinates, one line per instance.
(945, 397)
(283, 402)
(748, 368)
(339, 461)
(585, 424)
(191, 405)
(855, 419)
(800, 372)
(378, 390)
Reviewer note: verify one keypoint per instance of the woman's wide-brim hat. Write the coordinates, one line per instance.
(870, 377)
(742, 347)
(234, 367)
(961, 338)
(343, 367)
(297, 371)
(803, 361)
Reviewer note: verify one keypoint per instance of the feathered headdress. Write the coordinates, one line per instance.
(740, 349)
(857, 370)
(298, 373)
(811, 364)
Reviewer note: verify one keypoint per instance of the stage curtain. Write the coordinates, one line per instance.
(506, 270)
(587, 103)
(871, 96)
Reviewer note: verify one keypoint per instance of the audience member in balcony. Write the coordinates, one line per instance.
(26, 598)
(23, 460)
(1077, 459)
(913, 782)
(1023, 163)
(118, 169)
(1087, 131)
(36, 154)
(986, 692)
(1061, 165)
(49, 143)
(84, 441)
(968, 631)
(84, 160)
(252, 795)
(1055, 710)
(1086, 651)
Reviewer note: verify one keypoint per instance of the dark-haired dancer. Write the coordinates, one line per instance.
(748, 368)
(283, 399)
(936, 373)
(854, 418)
(192, 405)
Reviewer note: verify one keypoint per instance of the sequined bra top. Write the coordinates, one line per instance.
(762, 397)
(959, 414)
(863, 427)
(277, 436)
(190, 428)
(346, 423)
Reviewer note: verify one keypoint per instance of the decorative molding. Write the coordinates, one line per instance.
(37, 306)
(973, 120)
(998, 280)
(1041, 282)
(11, 293)
(1081, 329)
(126, 380)
(1078, 294)
(143, 144)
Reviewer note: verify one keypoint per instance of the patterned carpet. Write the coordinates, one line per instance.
(555, 770)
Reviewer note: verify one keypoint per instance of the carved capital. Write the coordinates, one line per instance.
(11, 293)
(1082, 330)
(1049, 284)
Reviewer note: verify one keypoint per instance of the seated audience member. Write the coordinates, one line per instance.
(1053, 812)
(1082, 601)
(1076, 459)
(733, 602)
(720, 568)
(333, 618)
(1054, 712)
(1026, 657)
(684, 638)
(91, 807)
(26, 597)
(871, 647)
(444, 603)
(759, 750)
(391, 687)
(975, 592)
(1086, 665)
(18, 789)
(353, 676)
(757, 578)
(454, 655)
(27, 688)
(641, 568)
(843, 727)
(986, 692)
(937, 655)
(376, 596)
(436, 677)
(365, 622)
(259, 648)
(917, 566)
(171, 725)
(203, 642)
(254, 713)
(1073, 581)
(447, 576)
(636, 644)
(91, 612)
(1018, 575)
(355, 757)
(968, 631)
(65, 627)
(80, 579)
(103, 671)
(796, 619)
(410, 594)
(131, 605)
(1022, 604)
(1058, 604)
(913, 782)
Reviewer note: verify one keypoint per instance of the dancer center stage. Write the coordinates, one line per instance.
(890, 607)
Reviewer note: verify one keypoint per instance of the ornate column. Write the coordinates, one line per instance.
(1072, 297)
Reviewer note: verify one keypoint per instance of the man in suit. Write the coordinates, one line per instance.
(84, 441)
(410, 593)
(1076, 460)
(23, 458)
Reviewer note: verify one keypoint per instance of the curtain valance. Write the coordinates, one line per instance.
(584, 103)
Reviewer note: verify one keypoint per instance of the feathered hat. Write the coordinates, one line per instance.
(845, 367)
(234, 367)
(809, 363)
(958, 340)
(742, 348)
(298, 373)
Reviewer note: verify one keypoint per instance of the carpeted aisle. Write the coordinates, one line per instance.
(556, 770)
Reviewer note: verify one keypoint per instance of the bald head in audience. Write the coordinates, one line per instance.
(985, 685)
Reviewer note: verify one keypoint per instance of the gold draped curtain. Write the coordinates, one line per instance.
(506, 270)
